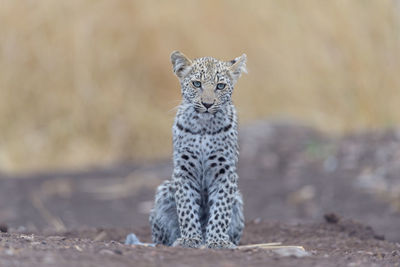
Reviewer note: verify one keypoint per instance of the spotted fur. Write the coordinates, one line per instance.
(201, 204)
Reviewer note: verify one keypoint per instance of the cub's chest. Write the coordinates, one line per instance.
(204, 144)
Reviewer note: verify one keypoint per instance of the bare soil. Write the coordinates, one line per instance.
(339, 198)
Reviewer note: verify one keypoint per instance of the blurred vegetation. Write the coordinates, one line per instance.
(89, 82)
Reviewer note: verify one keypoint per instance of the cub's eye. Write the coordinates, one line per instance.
(221, 86)
(196, 84)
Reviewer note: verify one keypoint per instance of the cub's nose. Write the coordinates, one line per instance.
(207, 105)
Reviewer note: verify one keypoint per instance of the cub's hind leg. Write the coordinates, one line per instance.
(163, 217)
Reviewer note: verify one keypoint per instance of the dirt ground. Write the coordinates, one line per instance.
(339, 198)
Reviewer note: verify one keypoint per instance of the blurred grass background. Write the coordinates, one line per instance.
(90, 82)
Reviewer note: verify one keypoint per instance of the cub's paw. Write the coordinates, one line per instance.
(220, 244)
(186, 242)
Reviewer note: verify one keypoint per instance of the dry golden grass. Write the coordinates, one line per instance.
(89, 82)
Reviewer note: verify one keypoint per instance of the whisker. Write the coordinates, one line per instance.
(176, 107)
(173, 109)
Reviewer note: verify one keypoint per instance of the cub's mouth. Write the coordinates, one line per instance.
(205, 111)
(199, 108)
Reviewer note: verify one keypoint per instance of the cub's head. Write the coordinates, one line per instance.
(207, 83)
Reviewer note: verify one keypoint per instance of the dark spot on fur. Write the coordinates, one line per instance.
(226, 128)
(183, 168)
(180, 127)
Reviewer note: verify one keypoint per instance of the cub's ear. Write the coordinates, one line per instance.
(181, 64)
(238, 66)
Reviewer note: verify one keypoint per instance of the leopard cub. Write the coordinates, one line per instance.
(201, 204)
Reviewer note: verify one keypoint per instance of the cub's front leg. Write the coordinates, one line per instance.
(187, 200)
(221, 199)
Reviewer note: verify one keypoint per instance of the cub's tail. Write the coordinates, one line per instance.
(132, 239)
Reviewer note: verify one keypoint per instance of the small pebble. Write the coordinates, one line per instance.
(331, 218)
(10, 252)
(106, 252)
(293, 251)
(57, 238)
(257, 220)
(28, 238)
(3, 228)
(118, 252)
(379, 237)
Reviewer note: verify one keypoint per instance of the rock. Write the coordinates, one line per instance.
(291, 251)
(331, 218)
(106, 252)
(3, 228)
